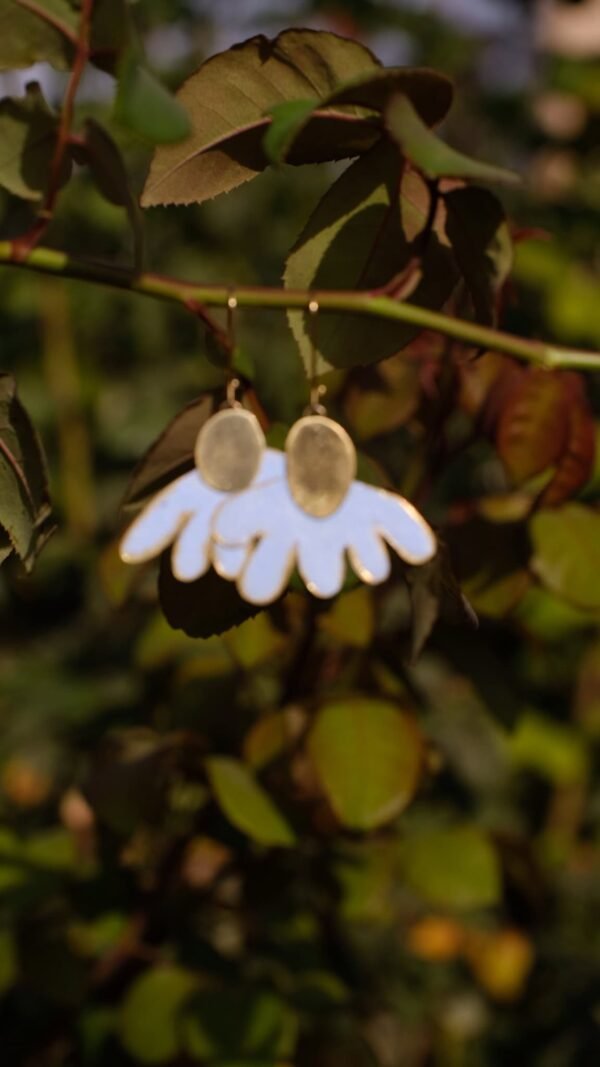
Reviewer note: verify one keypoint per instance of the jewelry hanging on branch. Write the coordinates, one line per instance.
(314, 513)
(230, 455)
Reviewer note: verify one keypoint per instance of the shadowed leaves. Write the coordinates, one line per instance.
(27, 138)
(46, 31)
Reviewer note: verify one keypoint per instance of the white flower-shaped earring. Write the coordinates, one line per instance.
(315, 514)
(230, 455)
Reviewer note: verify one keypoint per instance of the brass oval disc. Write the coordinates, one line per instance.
(321, 464)
(229, 449)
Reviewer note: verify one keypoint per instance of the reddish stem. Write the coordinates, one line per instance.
(23, 245)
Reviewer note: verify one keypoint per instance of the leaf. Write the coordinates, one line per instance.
(202, 608)
(264, 1032)
(255, 642)
(146, 108)
(430, 92)
(149, 1022)
(351, 619)
(228, 100)
(109, 173)
(453, 867)
(368, 756)
(434, 592)
(490, 561)
(24, 500)
(171, 454)
(27, 138)
(575, 465)
(566, 557)
(246, 804)
(432, 156)
(46, 31)
(360, 236)
(478, 232)
(553, 749)
(532, 427)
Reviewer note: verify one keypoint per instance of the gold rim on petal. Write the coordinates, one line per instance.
(321, 464)
(229, 449)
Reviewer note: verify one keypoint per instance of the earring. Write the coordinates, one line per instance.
(315, 514)
(230, 455)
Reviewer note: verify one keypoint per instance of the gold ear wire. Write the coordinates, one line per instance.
(232, 383)
(315, 407)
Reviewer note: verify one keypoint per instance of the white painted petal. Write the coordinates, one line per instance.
(268, 570)
(190, 555)
(229, 560)
(251, 513)
(403, 527)
(322, 561)
(369, 557)
(160, 521)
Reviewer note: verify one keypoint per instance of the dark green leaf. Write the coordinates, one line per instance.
(478, 232)
(203, 608)
(27, 139)
(150, 1019)
(24, 501)
(246, 804)
(368, 756)
(264, 1031)
(566, 558)
(146, 108)
(432, 156)
(171, 454)
(453, 867)
(107, 166)
(361, 235)
(434, 593)
(430, 92)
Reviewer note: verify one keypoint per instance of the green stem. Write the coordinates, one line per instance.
(191, 294)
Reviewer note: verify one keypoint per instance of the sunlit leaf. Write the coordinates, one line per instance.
(151, 1014)
(553, 749)
(430, 154)
(246, 803)
(566, 557)
(452, 867)
(367, 754)
(351, 619)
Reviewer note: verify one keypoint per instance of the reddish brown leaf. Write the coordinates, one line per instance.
(576, 463)
(533, 425)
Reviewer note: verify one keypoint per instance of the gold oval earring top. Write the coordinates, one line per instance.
(321, 464)
(229, 449)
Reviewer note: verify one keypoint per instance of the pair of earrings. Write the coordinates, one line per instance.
(256, 513)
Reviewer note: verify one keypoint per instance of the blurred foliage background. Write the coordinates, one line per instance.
(181, 880)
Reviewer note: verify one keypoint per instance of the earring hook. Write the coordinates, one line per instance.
(317, 391)
(232, 383)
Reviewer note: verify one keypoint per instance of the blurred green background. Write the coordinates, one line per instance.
(141, 921)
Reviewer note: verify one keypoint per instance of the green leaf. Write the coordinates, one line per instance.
(27, 138)
(434, 592)
(566, 557)
(246, 804)
(171, 455)
(109, 173)
(553, 749)
(351, 619)
(361, 235)
(24, 501)
(47, 30)
(452, 867)
(146, 108)
(229, 98)
(286, 122)
(264, 1032)
(430, 92)
(150, 1019)
(432, 156)
(368, 756)
(477, 229)
(202, 608)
